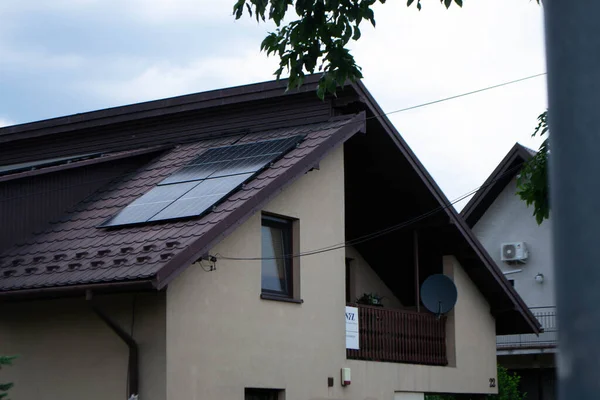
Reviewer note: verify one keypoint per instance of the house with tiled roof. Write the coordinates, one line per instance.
(501, 221)
(249, 242)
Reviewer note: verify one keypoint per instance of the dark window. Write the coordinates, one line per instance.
(262, 394)
(276, 276)
(349, 298)
(512, 282)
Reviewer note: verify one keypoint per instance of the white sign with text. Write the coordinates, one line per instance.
(352, 328)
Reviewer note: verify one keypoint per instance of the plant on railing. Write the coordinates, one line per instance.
(370, 299)
(4, 361)
(508, 389)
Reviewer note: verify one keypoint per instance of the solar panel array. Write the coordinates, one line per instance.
(204, 182)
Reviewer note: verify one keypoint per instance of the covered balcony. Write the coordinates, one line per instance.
(401, 336)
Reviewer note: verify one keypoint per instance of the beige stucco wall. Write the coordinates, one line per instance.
(222, 338)
(365, 280)
(66, 352)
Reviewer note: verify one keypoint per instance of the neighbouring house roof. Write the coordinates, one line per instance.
(508, 168)
(74, 253)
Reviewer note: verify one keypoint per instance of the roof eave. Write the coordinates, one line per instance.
(76, 290)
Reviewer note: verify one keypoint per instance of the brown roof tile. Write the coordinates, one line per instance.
(75, 251)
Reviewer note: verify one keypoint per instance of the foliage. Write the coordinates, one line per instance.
(370, 299)
(508, 389)
(439, 397)
(508, 386)
(318, 38)
(4, 387)
(532, 181)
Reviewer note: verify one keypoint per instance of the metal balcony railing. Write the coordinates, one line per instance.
(399, 336)
(547, 339)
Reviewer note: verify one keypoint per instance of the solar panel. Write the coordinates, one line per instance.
(150, 204)
(204, 182)
(236, 159)
(202, 197)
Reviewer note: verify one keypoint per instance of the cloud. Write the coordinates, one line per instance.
(5, 122)
(170, 79)
(167, 11)
(148, 11)
(67, 56)
(415, 57)
(38, 59)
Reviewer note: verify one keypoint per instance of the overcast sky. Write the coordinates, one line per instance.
(62, 57)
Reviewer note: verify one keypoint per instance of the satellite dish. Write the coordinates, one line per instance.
(439, 294)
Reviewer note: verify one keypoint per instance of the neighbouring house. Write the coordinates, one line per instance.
(207, 247)
(509, 232)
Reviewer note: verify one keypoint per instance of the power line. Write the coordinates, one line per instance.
(466, 93)
(361, 239)
(378, 233)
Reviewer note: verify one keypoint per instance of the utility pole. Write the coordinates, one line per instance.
(573, 58)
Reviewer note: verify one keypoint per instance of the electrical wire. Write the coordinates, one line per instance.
(375, 234)
(467, 93)
(359, 240)
(137, 172)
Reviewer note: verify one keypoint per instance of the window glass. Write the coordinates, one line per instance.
(276, 277)
(262, 394)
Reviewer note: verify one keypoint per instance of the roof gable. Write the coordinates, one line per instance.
(508, 168)
(515, 316)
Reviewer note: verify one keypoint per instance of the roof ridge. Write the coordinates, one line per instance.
(170, 105)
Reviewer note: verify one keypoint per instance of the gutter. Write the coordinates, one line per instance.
(133, 362)
(75, 290)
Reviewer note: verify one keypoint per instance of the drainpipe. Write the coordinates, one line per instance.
(133, 364)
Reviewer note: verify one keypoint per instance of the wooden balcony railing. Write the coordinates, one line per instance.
(400, 336)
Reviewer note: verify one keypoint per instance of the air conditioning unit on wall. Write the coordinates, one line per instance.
(514, 252)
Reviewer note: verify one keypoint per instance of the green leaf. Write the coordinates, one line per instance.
(459, 2)
(447, 3)
(409, 2)
(321, 91)
(532, 181)
(238, 8)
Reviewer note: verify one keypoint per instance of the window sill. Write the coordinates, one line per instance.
(266, 296)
